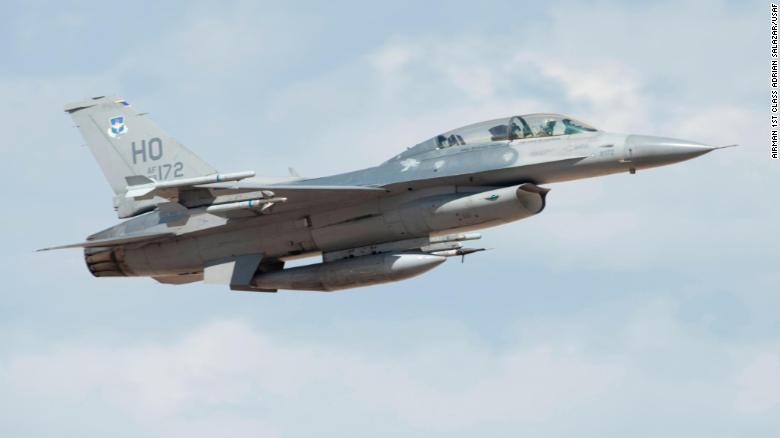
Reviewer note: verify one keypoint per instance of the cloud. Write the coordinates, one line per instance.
(687, 246)
(230, 363)
(230, 373)
(391, 59)
(406, 91)
(759, 384)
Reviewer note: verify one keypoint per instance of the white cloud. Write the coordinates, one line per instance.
(610, 91)
(231, 364)
(759, 384)
(391, 59)
(560, 376)
(230, 369)
(406, 91)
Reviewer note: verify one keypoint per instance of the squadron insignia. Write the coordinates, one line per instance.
(117, 126)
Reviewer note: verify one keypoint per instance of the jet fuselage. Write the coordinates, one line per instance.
(188, 222)
(419, 184)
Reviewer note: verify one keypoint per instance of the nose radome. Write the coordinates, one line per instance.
(657, 151)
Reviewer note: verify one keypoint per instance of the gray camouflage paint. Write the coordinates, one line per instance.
(423, 191)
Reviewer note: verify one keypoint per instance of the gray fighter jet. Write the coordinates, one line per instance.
(186, 222)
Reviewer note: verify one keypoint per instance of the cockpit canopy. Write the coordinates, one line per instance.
(514, 128)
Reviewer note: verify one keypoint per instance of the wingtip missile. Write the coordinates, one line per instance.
(140, 186)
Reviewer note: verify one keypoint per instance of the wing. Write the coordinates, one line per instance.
(236, 198)
(237, 201)
(115, 241)
(248, 199)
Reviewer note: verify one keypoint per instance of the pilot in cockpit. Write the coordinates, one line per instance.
(517, 131)
(547, 128)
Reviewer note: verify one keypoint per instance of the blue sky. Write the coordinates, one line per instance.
(634, 304)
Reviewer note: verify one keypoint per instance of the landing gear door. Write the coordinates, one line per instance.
(628, 153)
(628, 157)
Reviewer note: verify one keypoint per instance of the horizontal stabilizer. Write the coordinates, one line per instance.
(115, 241)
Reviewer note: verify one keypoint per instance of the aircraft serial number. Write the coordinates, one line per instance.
(166, 171)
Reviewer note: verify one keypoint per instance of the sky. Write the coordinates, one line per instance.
(643, 305)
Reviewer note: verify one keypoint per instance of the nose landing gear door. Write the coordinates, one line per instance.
(628, 154)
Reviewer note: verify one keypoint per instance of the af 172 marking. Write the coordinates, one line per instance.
(166, 171)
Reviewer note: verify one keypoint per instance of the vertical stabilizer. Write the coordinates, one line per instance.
(126, 143)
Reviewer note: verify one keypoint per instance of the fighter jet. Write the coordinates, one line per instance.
(187, 222)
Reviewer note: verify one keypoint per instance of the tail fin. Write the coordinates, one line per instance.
(126, 143)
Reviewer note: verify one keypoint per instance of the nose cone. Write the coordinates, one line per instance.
(649, 151)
